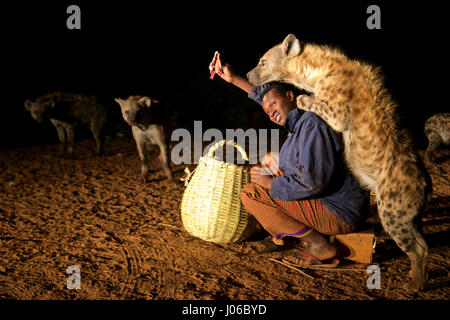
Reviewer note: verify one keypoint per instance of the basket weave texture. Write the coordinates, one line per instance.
(211, 208)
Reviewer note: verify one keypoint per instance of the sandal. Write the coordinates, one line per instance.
(269, 246)
(315, 263)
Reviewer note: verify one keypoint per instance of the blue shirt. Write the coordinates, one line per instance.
(313, 164)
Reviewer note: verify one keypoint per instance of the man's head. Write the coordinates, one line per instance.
(278, 101)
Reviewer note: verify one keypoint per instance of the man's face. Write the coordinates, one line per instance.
(277, 105)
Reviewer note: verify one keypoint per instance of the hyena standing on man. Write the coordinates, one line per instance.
(350, 96)
(146, 119)
(437, 130)
(65, 111)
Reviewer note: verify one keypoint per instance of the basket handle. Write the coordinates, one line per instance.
(220, 144)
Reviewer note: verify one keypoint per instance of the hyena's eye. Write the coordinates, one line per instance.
(262, 62)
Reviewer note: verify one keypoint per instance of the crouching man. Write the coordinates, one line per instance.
(313, 194)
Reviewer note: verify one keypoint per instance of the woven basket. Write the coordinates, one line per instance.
(211, 208)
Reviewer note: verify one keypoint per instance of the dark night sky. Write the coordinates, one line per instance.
(163, 49)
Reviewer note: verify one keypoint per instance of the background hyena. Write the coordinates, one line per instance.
(65, 111)
(351, 97)
(437, 130)
(147, 122)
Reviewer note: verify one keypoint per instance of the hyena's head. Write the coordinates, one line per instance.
(38, 109)
(271, 65)
(134, 108)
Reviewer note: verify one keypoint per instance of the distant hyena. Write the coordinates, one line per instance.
(437, 130)
(351, 97)
(144, 115)
(65, 111)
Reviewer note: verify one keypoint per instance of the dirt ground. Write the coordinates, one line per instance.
(128, 240)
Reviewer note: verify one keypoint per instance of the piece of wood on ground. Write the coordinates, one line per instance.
(291, 267)
(359, 246)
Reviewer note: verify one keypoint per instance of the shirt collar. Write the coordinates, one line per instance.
(292, 119)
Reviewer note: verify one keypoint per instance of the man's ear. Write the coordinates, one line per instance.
(146, 101)
(119, 101)
(291, 46)
(290, 95)
(51, 103)
(28, 105)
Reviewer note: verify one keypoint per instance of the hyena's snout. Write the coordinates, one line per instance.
(38, 119)
(38, 116)
(133, 116)
(254, 77)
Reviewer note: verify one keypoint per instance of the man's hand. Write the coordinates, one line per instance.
(223, 71)
(226, 73)
(260, 176)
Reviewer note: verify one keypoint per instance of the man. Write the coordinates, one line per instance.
(316, 195)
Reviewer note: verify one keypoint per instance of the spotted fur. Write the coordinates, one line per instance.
(65, 111)
(437, 130)
(351, 97)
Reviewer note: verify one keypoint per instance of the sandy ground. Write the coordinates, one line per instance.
(128, 240)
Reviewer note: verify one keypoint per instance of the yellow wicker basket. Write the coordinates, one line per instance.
(211, 208)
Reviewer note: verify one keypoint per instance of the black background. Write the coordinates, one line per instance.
(163, 49)
(174, 309)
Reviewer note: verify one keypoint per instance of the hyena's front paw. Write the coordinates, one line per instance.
(430, 157)
(143, 179)
(168, 174)
(305, 102)
(65, 155)
(61, 151)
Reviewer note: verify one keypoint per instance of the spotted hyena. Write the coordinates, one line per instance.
(437, 130)
(145, 117)
(351, 97)
(65, 111)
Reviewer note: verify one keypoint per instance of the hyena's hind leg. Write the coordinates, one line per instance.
(97, 129)
(406, 234)
(336, 116)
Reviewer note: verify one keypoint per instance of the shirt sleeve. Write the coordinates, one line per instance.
(311, 174)
(257, 93)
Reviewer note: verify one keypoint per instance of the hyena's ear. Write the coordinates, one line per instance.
(27, 105)
(119, 101)
(291, 46)
(146, 101)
